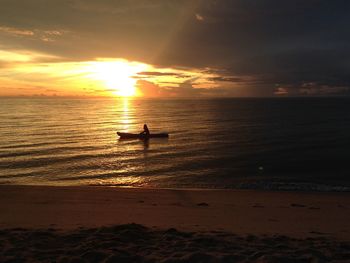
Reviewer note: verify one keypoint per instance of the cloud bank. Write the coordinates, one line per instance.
(251, 48)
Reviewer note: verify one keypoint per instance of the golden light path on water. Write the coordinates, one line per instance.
(125, 109)
(126, 120)
(212, 143)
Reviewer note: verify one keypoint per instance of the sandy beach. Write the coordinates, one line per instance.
(96, 224)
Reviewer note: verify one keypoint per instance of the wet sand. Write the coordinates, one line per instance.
(101, 224)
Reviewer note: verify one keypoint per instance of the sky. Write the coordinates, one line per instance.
(166, 48)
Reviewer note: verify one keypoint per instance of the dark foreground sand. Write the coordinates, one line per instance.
(136, 243)
(98, 224)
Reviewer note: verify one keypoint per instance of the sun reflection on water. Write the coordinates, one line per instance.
(124, 181)
(125, 118)
(135, 153)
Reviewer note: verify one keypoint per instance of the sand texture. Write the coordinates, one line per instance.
(101, 224)
(136, 243)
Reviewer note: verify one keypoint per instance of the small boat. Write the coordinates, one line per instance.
(125, 135)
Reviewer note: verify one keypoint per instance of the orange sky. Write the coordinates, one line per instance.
(99, 49)
(29, 73)
(165, 48)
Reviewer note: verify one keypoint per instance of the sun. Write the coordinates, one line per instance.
(117, 75)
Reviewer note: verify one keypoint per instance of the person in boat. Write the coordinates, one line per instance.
(145, 130)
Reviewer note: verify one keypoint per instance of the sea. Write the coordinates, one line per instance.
(278, 144)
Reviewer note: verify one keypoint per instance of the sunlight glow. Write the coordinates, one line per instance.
(27, 73)
(27, 56)
(117, 75)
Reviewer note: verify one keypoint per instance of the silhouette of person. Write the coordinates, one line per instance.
(145, 130)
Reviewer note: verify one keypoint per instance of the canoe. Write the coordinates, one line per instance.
(124, 135)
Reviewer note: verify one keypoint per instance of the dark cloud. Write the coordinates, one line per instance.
(161, 74)
(184, 89)
(227, 79)
(311, 89)
(254, 43)
(270, 42)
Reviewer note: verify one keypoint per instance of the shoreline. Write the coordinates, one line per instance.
(316, 188)
(110, 224)
(295, 214)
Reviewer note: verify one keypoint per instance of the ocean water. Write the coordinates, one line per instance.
(277, 144)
